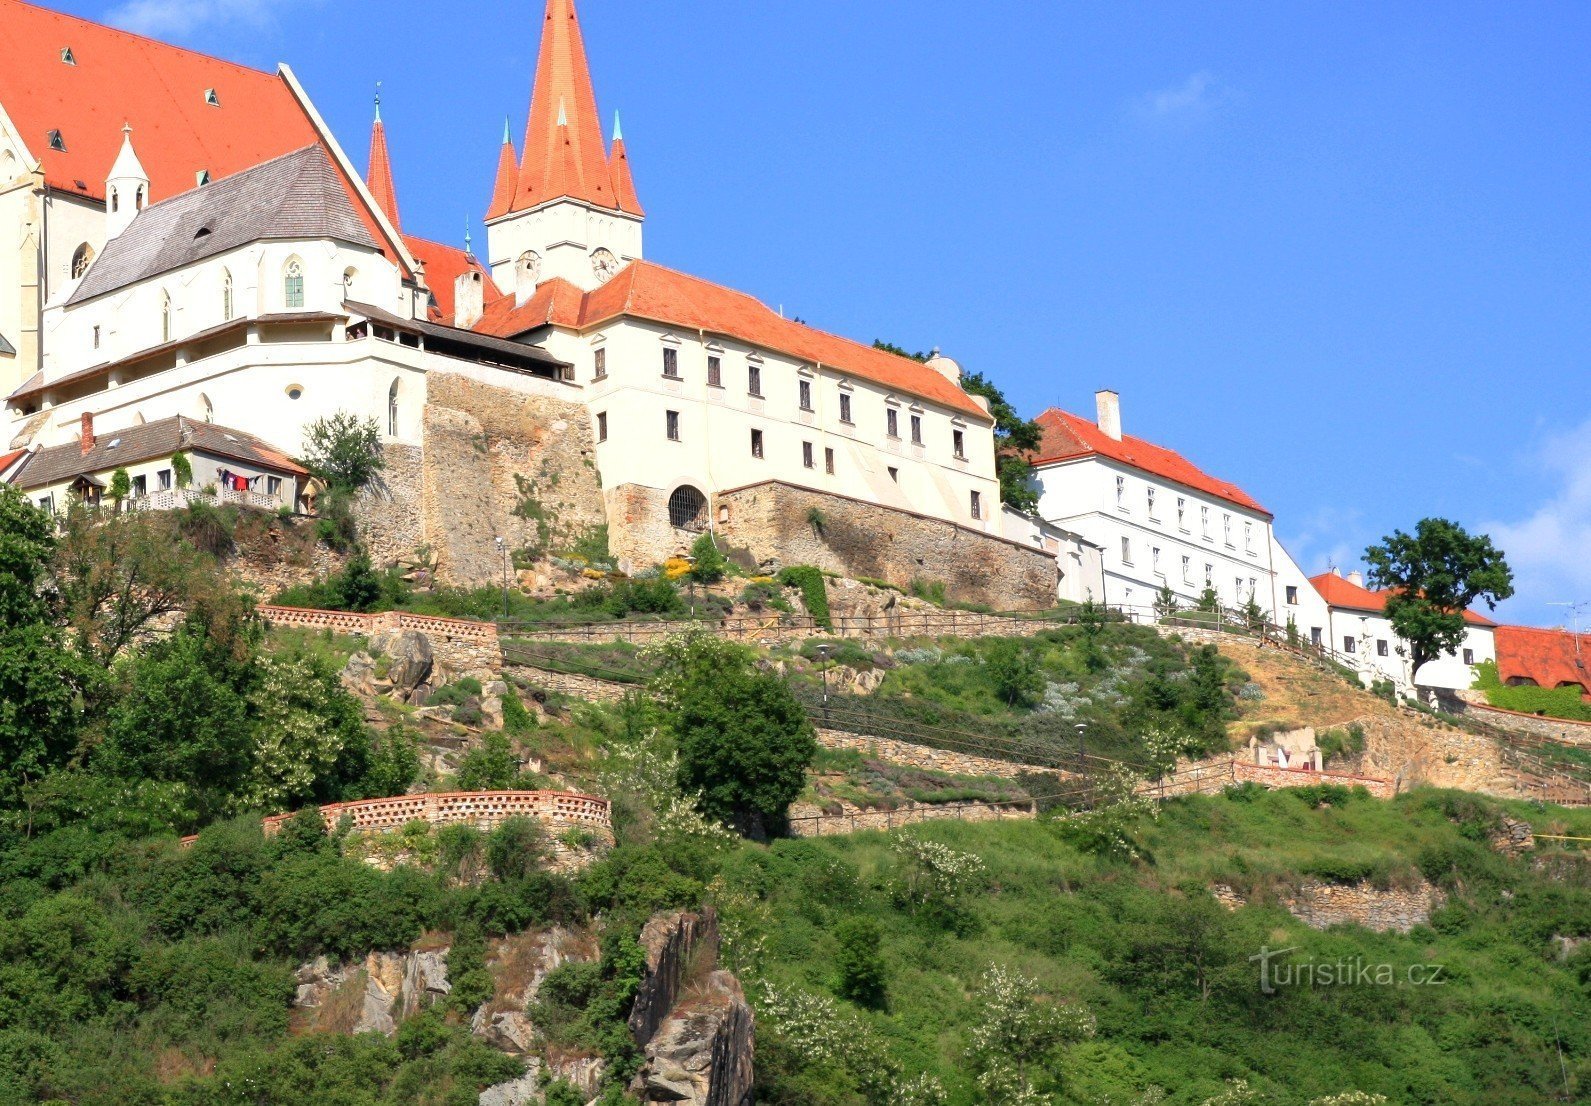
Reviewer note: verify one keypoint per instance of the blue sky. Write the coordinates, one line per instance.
(1336, 253)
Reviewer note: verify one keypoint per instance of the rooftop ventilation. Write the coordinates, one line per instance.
(202, 232)
(57, 143)
(211, 98)
(114, 442)
(67, 56)
(202, 177)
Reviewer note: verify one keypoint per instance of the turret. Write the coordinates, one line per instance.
(126, 189)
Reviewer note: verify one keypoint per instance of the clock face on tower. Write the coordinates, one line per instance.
(603, 264)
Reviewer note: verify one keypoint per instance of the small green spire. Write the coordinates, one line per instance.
(378, 101)
(618, 131)
(506, 138)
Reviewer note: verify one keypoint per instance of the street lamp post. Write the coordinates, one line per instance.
(502, 550)
(823, 667)
(691, 575)
(1082, 748)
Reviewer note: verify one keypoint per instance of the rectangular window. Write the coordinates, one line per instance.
(1187, 570)
(807, 460)
(602, 426)
(1204, 522)
(1381, 647)
(958, 444)
(96, 337)
(845, 407)
(1121, 493)
(917, 430)
(1237, 590)
(828, 461)
(1349, 645)
(715, 372)
(602, 365)
(1154, 559)
(47, 504)
(140, 486)
(1315, 635)
(804, 390)
(756, 443)
(1149, 500)
(892, 422)
(1469, 656)
(754, 379)
(977, 505)
(1226, 530)
(1209, 576)
(1292, 595)
(1253, 587)
(671, 425)
(1182, 514)
(1248, 536)
(671, 362)
(273, 485)
(1126, 551)
(163, 480)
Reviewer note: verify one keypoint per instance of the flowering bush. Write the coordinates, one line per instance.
(935, 879)
(1107, 827)
(1016, 1026)
(676, 568)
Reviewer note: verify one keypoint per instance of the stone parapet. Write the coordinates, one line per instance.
(460, 644)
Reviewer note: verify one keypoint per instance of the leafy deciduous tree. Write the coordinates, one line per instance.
(344, 451)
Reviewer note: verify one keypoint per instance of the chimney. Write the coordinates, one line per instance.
(1356, 578)
(469, 299)
(88, 432)
(1107, 405)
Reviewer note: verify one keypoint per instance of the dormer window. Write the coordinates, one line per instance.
(67, 56)
(57, 143)
(202, 232)
(202, 177)
(211, 98)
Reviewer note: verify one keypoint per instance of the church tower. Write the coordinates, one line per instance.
(566, 207)
(126, 188)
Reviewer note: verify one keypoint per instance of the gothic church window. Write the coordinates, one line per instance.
(392, 410)
(165, 317)
(81, 259)
(293, 284)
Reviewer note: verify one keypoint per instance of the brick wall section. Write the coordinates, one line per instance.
(461, 645)
(502, 462)
(769, 523)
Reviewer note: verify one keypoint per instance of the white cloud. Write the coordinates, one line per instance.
(172, 18)
(1550, 547)
(1194, 98)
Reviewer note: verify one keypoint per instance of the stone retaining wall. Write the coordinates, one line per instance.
(1268, 775)
(568, 683)
(1473, 704)
(1319, 905)
(460, 644)
(923, 756)
(855, 820)
(771, 523)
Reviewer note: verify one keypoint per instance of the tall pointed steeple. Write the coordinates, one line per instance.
(507, 181)
(126, 188)
(619, 169)
(379, 178)
(564, 153)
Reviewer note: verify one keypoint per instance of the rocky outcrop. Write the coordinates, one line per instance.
(678, 947)
(1320, 905)
(702, 1052)
(409, 658)
(373, 995)
(518, 965)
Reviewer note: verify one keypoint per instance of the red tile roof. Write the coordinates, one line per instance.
(1068, 436)
(507, 180)
(564, 152)
(623, 183)
(1338, 591)
(443, 266)
(125, 78)
(1548, 657)
(9, 459)
(645, 290)
(379, 178)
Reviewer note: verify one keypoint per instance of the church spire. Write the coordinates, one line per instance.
(507, 181)
(619, 169)
(564, 153)
(379, 178)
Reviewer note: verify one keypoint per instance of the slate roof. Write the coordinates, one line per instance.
(6, 347)
(296, 195)
(148, 442)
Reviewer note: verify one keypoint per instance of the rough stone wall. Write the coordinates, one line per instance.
(269, 559)
(567, 683)
(639, 533)
(1270, 776)
(1412, 749)
(921, 756)
(1563, 730)
(808, 822)
(501, 462)
(388, 513)
(1385, 910)
(773, 523)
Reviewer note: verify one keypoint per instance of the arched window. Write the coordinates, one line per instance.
(206, 408)
(226, 295)
(350, 275)
(138, 199)
(687, 508)
(392, 410)
(165, 317)
(115, 200)
(82, 257)
(293, 283)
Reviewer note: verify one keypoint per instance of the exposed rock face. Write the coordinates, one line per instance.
(518, 965)
(702, 1052)
(390, 985)
(1320, 905)
(410, 658)
(516, 1092)
(676, 946)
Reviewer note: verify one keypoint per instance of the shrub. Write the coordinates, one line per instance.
(344, 450)
(708, 564)
(516, 848)
(814, 591)
(516, 719)
(860, 961)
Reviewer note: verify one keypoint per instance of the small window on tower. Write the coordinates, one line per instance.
(671, 362)
(845, 407)
(977, 505)
(602, 426)
(892, 422)
(671, 425)
(958, 442)
(828, 461)
(754, 379)
(807, 456)
(917, 430)
(756, 443)
(715, 372)
(805, 390)
(602, 365)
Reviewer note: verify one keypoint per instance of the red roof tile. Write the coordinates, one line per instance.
(645, 290)
(1338, 591)
(623, 183)
(507, 180)
(564, 152)
(1551, 658)
(125, 78)
(443, 266)
(379, 178)
(1068, 436)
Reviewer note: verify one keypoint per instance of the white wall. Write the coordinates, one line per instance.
(562, 235)
(714, 450)
(1079, 565)
(1234, 542)
(1367, 642)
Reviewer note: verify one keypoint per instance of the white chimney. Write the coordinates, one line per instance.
(126, 188)
(1357, 578)
(1107, 405)
(469, 299)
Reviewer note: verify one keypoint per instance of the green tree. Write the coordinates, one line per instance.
(344, 451)
(1014, 670)
(744, 740)
(1434, 575)
(707, 563)
(863, 973)
(358, 585)
(121, 486)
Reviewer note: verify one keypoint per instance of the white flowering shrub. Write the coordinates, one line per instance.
(825, 1034)
(918, 1090)
(1237, 1093)
(927, 655)
(648, 770)
(934, 878)
(1350, 1098)
(1016, 1028)
(1108, 826)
